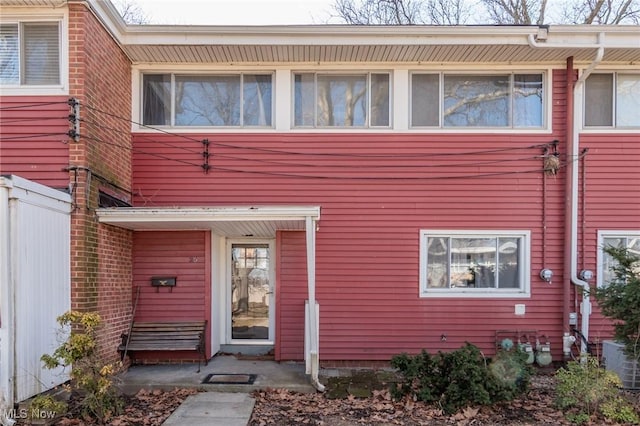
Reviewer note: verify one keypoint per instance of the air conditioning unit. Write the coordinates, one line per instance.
(615, 360)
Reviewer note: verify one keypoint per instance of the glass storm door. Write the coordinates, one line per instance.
(251, 292)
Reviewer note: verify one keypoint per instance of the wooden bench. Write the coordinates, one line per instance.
(165, 336)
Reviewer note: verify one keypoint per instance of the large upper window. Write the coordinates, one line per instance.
(612, 100)
(233, 100)
(30, 54)
(481, 263)
(341, 100)
(477, 100)
(629, 240)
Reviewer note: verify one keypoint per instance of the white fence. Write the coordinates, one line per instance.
(35, 288)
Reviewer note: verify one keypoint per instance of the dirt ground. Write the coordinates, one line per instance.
(373, 407)
(536, 407)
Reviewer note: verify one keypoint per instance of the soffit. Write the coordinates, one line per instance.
(226, 221)
(413, 54)
(337, 44)
(327, 44)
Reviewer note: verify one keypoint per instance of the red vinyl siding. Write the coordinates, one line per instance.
(184, 255)
(291, 275)
(367, 246)
(368, 243)
(376, 192)
(33, 138)
(611, 200)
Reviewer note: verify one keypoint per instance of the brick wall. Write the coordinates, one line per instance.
(100, 78)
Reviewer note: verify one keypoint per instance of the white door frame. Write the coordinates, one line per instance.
(226, 286)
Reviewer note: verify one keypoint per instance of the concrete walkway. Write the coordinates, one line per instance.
(225, 404)
(213, 409)
(268, 374)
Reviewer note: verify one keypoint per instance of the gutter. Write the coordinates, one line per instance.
(571, 187)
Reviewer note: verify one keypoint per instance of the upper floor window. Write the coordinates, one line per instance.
(629, 240)
(30, 54)
(477, 100)
(233, 100)
(341, 100)
(474, 263)
(612, 100)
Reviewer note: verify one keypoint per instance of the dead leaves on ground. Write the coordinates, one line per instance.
(146, 408)
(281, 407)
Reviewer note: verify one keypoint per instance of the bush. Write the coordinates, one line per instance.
(90, 377)
(46, 407)
(620, 299)
(461, 378)
(584, 389)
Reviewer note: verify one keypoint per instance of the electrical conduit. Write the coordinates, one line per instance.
(574, 120)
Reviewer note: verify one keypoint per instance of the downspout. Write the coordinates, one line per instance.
(572, 183)
(314, 328)
(574, 120)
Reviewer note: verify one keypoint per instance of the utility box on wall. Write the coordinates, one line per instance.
(617, 361)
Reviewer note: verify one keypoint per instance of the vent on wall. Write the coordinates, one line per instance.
(615, 360)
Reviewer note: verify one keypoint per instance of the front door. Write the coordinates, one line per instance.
(252, 298)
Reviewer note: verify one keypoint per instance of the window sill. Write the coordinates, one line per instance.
(474, 294)
(34, 90)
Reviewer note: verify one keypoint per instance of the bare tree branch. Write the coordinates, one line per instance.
(603, 12)
(131, 12)
(379, 12)
(502, 12)
(448, 12)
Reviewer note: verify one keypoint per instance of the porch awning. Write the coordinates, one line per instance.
(228, 221)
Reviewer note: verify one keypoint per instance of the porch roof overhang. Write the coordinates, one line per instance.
(228, 221)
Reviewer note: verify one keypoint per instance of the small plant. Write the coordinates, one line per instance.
(92, 379)
(619, 410)
(583, 389)
(46, 407)
(461, 378)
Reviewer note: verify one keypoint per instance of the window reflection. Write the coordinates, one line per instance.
(473, 262)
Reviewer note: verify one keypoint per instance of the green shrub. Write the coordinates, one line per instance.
(619, 410)
(620, 299)
(90, 377)
(461, 378)
(584, 389)
(46, 407)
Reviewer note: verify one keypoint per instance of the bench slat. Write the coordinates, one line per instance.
(165, 336)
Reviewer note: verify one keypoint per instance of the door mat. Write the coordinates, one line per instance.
(229, 379)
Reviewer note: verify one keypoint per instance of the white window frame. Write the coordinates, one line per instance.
(525, 260)
(547, 93)
(40, 16)
(613, 127)
(347, 72)
(172, 108)
(602, 234)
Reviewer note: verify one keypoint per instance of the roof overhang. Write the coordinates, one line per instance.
(251, 221)
(336, 44)
(416, 44)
